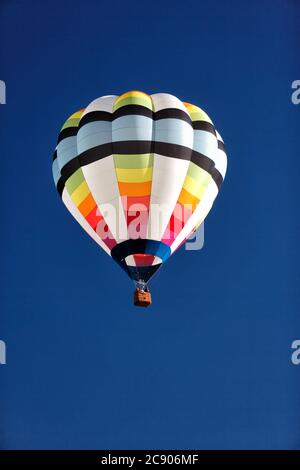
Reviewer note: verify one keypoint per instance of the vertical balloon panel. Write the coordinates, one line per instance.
(95, 147)
(172, 133)
(132, 137)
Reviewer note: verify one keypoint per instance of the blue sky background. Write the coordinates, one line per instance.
(208, 365)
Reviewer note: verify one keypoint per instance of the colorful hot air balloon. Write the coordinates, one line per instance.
(139, 173)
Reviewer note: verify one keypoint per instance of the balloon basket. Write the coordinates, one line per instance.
(142, 298)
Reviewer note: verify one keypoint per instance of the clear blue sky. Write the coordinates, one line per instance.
(208, 365)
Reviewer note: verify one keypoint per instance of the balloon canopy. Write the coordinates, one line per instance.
(139, 173)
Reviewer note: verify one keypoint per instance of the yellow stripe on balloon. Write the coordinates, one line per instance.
(80, 193)
(133, 93)
(139, 175)
(133, 97)
(71, 121)
(187, 199)
(194, 187)
(196, 113)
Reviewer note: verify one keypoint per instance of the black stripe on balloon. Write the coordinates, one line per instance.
(140, 147)
(67, 132)
(139, 246)
(137, 110)
(204, 126)
(60, 186)
(133, 109)
(172, 150)
(94, 116)
(54, 156)
(70, 168)
(128, 247)
(217, 177)
(128, 147)
(169, 150)
(203, 162)
(85, 158)
(96, 153)
(130, 109)
(168, 113)
(221, 145)
(172, 113)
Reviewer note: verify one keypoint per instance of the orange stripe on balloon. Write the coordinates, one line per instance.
(87, 205)
(187, 198)
(135, 189)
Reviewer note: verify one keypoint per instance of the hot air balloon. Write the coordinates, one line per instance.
(139, 173)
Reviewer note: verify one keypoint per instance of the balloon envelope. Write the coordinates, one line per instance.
(139, 173)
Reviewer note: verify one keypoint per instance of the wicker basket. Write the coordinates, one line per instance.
(141, 298)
